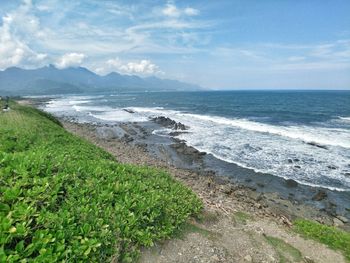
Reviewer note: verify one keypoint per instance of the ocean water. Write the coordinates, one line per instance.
(299, 135)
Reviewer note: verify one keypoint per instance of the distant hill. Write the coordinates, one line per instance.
(51, 80)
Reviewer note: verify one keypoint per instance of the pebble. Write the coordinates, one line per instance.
(248, 258)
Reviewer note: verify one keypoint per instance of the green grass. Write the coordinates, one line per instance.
(64, 199)
(328, 235)
(285, 251)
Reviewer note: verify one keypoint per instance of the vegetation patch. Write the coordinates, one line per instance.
(64, 199)
(328, 235)
(241, 217)
(187, 228)
(207, 217)
(285, 251)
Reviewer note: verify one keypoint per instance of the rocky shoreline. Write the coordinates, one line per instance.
(137, 144)
(238, 221)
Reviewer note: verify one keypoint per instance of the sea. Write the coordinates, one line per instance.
(299, 135)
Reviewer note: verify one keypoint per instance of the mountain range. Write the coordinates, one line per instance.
(50, 80)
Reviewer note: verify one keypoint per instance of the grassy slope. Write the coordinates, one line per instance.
(62, 198)
(328, 235)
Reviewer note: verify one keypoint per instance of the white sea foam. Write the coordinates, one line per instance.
(119, 115)
(278, 150)
(269, 148)
(344, 118)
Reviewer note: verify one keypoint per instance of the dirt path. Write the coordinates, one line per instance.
(236, 226)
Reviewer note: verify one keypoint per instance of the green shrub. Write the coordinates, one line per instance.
(328, 235)
(64, 199)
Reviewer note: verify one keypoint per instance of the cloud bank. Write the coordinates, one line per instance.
(70, 60)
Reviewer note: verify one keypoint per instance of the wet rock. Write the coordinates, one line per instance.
(343, 219)
(129, 111)
(347, 174)
(290, 161)
(332, 167)
(296, 160)
(127, 138)
(218, 179)
(297, 166)
(291, 183)
(191, 150)
(321, 194)
(176, 133)
(317, 145)
(169, 123)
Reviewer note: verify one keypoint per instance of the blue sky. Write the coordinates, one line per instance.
(224, 44)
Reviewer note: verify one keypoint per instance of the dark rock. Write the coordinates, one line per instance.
(297, 166)
(332, 167)
(317, 145)
(176, 133)
(296, 160)
(129, 111)
(321, 194)
(219, 180)
(291, 183)
(169, 123)
(347, 174)
(290, 161)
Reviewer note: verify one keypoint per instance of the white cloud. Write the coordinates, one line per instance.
(70, 60)
(191, 11)
(141, 67)
(172, 10)
(14, 50)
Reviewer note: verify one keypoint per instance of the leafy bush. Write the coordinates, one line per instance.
(64, 199)
(328, 235)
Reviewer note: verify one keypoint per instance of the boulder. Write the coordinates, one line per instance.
(291, 183)
(169, 123)
(343, 219)
(321, 194)
(337, 222)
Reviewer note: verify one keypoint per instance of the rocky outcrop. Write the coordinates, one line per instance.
(169, 123)
(321, 194)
